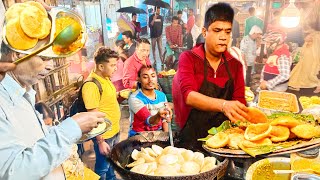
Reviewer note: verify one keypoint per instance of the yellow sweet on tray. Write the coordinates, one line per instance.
(88, 175)
(308, 102)
(171, 72)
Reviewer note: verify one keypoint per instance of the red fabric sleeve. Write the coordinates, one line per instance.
(142, 114)
(239, 85)
(190, 23)
(180, 37)
(186, 75)
(129, 73)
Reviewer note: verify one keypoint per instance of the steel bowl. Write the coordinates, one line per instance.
(121, 156)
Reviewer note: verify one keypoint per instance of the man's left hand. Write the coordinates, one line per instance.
(263, 85)
(4, 67)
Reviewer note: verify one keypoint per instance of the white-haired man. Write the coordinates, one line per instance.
(248, 47)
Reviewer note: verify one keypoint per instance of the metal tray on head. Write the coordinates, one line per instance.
(278, 101)
(86, 137)
(53, 14)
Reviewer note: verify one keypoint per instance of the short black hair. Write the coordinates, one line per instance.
(252, 10)
(133, 14)
(144, 67)
(218, 12)
(179, 12)
(142, 40)
(103, 54)
(5, 50)
(156, 7)
(175, 18)
(128, 34)
(120, 43)
(190, 10)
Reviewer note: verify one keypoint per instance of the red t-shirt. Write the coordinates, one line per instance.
(190, 76)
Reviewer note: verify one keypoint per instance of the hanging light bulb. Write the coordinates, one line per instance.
(290, 16)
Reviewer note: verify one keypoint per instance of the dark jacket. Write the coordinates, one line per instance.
(156, 28)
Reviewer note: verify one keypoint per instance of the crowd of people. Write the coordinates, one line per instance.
(209, 87)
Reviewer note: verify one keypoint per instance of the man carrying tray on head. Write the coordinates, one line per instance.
(28, 148)
(209, 85)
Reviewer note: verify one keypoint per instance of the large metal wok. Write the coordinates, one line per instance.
(121, 156)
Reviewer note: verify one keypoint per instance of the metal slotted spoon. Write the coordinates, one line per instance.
(66, 37)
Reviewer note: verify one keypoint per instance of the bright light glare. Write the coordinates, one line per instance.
(289, 22)
(290, 16)
(259, 12)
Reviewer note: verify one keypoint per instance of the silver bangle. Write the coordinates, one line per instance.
(223, 104)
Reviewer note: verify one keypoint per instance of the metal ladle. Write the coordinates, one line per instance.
(66, 37)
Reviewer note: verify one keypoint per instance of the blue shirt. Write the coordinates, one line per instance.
(28, 149)
(142, 108)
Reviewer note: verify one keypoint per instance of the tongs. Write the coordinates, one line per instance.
(170, 130)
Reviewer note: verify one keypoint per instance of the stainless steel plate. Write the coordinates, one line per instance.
(86, 137)
(53, 14)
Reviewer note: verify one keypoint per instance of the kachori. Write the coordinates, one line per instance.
(234, 140)
(258, 131)
(256, 116)
(98, 129)
(17, 38)
(15, 10)
(219, 140)
(287, 121)
(279, 133)
(306, 131)
(32, 22)
(38, 5)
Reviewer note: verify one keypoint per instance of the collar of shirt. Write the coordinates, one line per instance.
(135, 56)
(99, 78)
(199, 51)
(13, 88)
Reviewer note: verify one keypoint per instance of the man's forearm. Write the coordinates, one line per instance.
(203, 102)
(39, 160)
(154, 120)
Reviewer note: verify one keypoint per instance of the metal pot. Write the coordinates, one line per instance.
(121, 156)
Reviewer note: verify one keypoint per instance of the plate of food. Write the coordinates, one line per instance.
(264, 135)
(29, 27)
(102, 128)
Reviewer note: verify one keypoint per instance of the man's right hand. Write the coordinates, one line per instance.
(235, 111)
(88, 120)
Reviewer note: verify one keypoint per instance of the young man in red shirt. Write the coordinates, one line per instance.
(209, 85)
(173, 36)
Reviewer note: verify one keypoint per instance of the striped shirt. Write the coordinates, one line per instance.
(142, 108)
(284, 67)
(174, 35)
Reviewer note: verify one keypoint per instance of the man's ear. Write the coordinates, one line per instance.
(14, 56)
(100, 67)
(204, 32)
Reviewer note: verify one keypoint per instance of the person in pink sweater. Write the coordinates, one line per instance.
(135, 62)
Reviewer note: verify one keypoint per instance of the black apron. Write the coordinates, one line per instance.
(199, 122)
